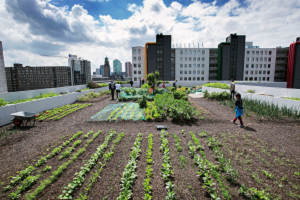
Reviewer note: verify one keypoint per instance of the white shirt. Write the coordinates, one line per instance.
(118, 86)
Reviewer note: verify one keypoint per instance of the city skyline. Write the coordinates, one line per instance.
(114, 33)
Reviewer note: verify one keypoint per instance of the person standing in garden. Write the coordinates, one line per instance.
(131, 82)
(118, 88)
(163, 85)
(174, 85)
(143, 81)
(232, 89)
(140, 82)
(112, 87)
(239, 110)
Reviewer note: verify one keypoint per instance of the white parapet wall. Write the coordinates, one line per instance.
(40, 105)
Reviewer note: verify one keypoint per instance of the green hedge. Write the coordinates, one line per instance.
(217, 85)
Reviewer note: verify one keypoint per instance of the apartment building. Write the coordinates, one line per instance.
(138, 63)
(192, 64)
(213, 64)
(259, 64)
(281, 64)
(293, 72)
(3, 86)
(21, 78)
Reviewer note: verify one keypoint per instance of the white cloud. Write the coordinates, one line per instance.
(39, 27)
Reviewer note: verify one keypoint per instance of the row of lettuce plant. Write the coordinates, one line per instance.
(26, 172)
(107, 157)
(130, 174)
(49, 113)
(147, 184)
(80, 176)
(177, 143)
(56, 174)
(70, 111)
(167, 171)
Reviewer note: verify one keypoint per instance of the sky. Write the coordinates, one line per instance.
(92, 29)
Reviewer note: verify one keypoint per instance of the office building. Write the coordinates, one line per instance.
(102, 70)
(231, 57)
(158, 57)
(293, 71)
(191, 64)
(281, 65)
(80, 70)
(3, 85)
(128, 69)
(97, 71)
(213, 64)
(21, 78)
(138, 63)
(107, 72)
(117, 67)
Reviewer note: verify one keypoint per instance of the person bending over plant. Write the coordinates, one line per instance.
(238, 110)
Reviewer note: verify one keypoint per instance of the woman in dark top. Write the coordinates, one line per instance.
(238, 110)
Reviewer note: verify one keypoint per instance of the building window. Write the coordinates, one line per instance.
(190, 78)
(268, 72)
(185, 72)
(255, 71)
(190, 52)
(269, 66)
(253, 52)
(135, 79)
(251, 79)
(259, 78)
(139, 58)
(134, 72)
(260, 72)
(194, 72)
(248, 52)
(181, 58)
(265, 65)
(198, 72)
(190, 72)
(181, 78)
(252, 59)
(256, 59)
(251, 72)
(202, 78)
(255, 78)
(139, 51)
(247, 66)
(134, 65)
(261, 52)
(270, 52)
(202, 72)
(261, 59)
(203, 65)
(190, 65)
(194, 65)
(257, 52)
(264, 72)
(269, 58)
(246, 78)
(203, 59)
(265, 59)
(134, 51)
(185, 59)
(134, 58)
(199, 52)
(185, 65)
(260, 66)
(198, 65)
(194, 59)
(203, 52)
(185, 52)
(194, 52)
(264, 78)
(252, 66)
(181, 65)
(139, 65)
(140, 72)
(247, 59)
(181, 52)
(198, 59)
(246, 72)
(256, 65)
(181, 72)
(185, 78)
(198, 78)
(268, 78)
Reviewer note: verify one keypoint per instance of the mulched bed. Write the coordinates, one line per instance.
(259, 136)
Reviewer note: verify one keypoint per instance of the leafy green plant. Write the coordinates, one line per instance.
(250, 91)
(199, 146)
(253, 193)
(203, 134)
(217, 85)
(177, 141)
(147, 185)
(47, 168)
(41, 161)
(143, 102)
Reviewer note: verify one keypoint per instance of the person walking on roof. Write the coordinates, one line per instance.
(112, 88)
(232, 89)
(239, 110)
(118, 88)
(174, 85)
(131, 82)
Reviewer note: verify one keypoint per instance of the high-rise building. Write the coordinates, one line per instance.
(21, 78)
(158, 57)
(106, 67)
(80, 70)
(98, 71)
(138, 63)
(102, 70)
(281, 65)
(231, 56)
(117, 67)
(293, 72)
(3, 86)
(128, 69)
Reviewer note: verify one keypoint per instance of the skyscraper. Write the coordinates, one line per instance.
(116, 66)
(102, 70)
(3, 85)
(80, 70)
(97, 71)
(128, 69)
(106, 67)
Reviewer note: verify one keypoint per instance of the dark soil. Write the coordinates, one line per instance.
(271, 145)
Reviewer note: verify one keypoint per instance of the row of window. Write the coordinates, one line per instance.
(139, 58)
(192, 59)
(259, 59)
(190, 72)
(257, 72)
(257, 52)
(139, 65)
(191, 78)
(190, 65)
(259, 78)
(192, 52)
(256, 65)
(137, 72)
(134, 51)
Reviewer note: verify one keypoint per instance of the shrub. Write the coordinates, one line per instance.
(217, 96)
(92, 85)
(143, 102)
(2, 102)
(78, 90)
(250, 91)
(180, 95)
(179, 86)
(217, 85)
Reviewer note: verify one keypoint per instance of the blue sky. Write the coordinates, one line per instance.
(93, 29)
